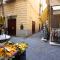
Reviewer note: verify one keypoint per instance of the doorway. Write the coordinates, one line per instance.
(33, 27)
(12, 26)
(39, 27)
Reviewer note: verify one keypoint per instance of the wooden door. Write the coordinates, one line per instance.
(39, 27)
(33, 27)
(12, 27)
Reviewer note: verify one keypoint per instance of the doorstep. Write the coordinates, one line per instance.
(43, 39)
(54, 43)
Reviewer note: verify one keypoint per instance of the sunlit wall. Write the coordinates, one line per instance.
(43, 11)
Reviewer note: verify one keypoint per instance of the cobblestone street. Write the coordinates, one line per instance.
(38, 49)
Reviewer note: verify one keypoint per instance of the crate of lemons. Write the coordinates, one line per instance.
(10, 48)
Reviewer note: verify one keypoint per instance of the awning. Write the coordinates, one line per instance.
(1, 20)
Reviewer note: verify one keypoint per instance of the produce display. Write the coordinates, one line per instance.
(22, 46)
(1, 52)
(10, 48)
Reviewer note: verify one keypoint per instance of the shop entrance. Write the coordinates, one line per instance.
(39, 27)
(33, 27)
(12, 26)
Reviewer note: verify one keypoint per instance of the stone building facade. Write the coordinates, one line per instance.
(26, 16)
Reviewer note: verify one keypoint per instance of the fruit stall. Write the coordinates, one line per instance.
(13, 51)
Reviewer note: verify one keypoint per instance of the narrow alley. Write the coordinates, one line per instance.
(38, 49)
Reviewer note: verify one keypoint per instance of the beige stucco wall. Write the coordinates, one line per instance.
(33, 12)
(25, 12)
(0, 11)
(54, 2)
(44, 11)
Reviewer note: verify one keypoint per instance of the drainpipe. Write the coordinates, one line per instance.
(50, 12)
(49, 16)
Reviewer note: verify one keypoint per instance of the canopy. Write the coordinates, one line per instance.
(1, 20)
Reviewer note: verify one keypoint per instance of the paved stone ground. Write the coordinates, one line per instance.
(38, 49)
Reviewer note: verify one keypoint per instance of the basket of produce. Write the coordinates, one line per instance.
(22, 46)
(10, 49)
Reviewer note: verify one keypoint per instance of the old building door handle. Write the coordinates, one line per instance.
(12, 27)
